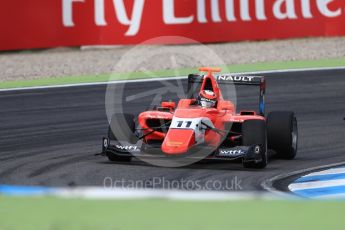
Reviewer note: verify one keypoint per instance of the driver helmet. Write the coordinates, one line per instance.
(207, 99)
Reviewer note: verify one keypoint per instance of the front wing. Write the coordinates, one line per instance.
(247, 153)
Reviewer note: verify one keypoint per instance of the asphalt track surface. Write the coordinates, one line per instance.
(49, 136)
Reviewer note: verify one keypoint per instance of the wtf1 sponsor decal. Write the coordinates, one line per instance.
(130, 148)
(231, 152)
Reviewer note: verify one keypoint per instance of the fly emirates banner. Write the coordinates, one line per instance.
(27, 24)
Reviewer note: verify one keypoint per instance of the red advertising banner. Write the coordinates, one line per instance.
(27, 24)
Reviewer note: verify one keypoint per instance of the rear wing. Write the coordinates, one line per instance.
(195, 81)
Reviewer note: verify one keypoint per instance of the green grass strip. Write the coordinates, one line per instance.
(168, 73)
(55, 214)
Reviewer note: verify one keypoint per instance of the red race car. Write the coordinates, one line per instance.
(205, 126)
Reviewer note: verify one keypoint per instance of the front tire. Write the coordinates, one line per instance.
(254, 133)
(121, 128)
(116, 158)
(282, 134)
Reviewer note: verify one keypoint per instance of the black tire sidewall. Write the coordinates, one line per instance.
(279, 133)
(121, 128)
(254, 133)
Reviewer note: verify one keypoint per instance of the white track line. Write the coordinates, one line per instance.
(316, 184)
(268, 184)
(115, 193)
(327, 172)
(164, 78)
(93, 192)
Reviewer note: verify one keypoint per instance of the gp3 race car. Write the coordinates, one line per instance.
(205, 121)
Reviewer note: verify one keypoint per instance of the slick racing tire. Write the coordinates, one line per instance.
(282, 134)
(254, 133)
(121, 128)
(116, 158)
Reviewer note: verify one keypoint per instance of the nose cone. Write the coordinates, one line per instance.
(178, 141)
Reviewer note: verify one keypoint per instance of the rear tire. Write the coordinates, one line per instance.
(121, 128)
(282, 134)
(254, 133)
